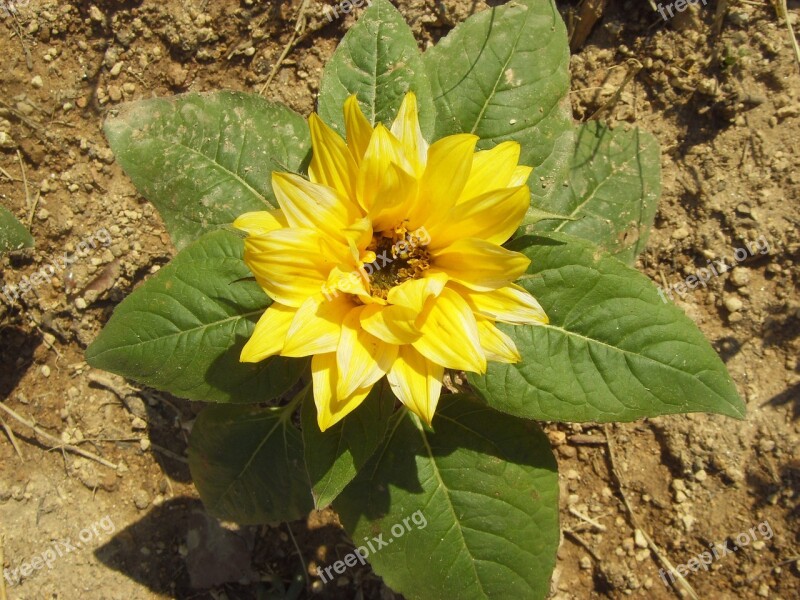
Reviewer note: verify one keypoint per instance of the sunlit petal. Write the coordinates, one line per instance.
(493, 216)
(479, 265)
(446, 173)
(260, 222)
(450, 334)
(316, 326)
(292, 264)
(358, 128)
(491, 170)
(331, 408)
(269, 333)
(312, 205)
(510, 304)
(332, 163)
(417, 382)
(361, 357)
(496, 345)
(407, 130)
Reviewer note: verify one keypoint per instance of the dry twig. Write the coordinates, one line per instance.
(14, 443)
(299, 30)
(635, 522)
(56, 443)
(2, 561)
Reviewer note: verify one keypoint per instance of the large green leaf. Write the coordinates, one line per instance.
(247, 464)
(378, 59)
(503, 74)
(334, 457)
(614, 187)
(614, 350)
(477, 503)
(182, 331)
(13, 235)
(204, 159)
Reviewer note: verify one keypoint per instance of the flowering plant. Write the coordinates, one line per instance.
(440, 222)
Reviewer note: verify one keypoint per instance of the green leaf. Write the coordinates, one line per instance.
(182, 330)
(13, 235)
(503, 74)
(334, 457)
(204, 159)
(477, 503)
(247, 464)
(378, 59)
(614, 350)
(614, 188)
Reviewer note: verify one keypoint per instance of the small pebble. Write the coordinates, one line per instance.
(138, 423)
(586, 563)
(639, 539)
(141, 499)
(37, 82)
(45, 371)
(733, 304)
(740, 277)
(681, 233)
(80, 303)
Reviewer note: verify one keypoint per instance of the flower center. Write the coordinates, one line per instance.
(400, 255)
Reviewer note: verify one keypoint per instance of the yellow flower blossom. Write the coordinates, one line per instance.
(387, 261)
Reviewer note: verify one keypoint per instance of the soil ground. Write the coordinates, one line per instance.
(723, 98)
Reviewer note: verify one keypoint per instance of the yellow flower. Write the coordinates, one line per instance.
(388, 261)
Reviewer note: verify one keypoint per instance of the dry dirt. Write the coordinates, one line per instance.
(725, 107)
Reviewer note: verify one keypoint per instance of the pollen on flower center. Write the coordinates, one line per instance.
(399, 256)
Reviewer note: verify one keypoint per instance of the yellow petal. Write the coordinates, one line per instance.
(331, 408)
(397, 192)
(362, 358)
(417, 382)
(358, 128)
(478, 264)
(310, 205)
(450, 334)
(292, 264)
(260, 222)
(317, 326)
(493, 216)
(496, 344)
(406, 129)
(384, 149)
(520, 176)
(491, 170)
(446, 173)
(392, 324)
(414, 292)
(269, 333)
(332, 163)
(510, 304)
